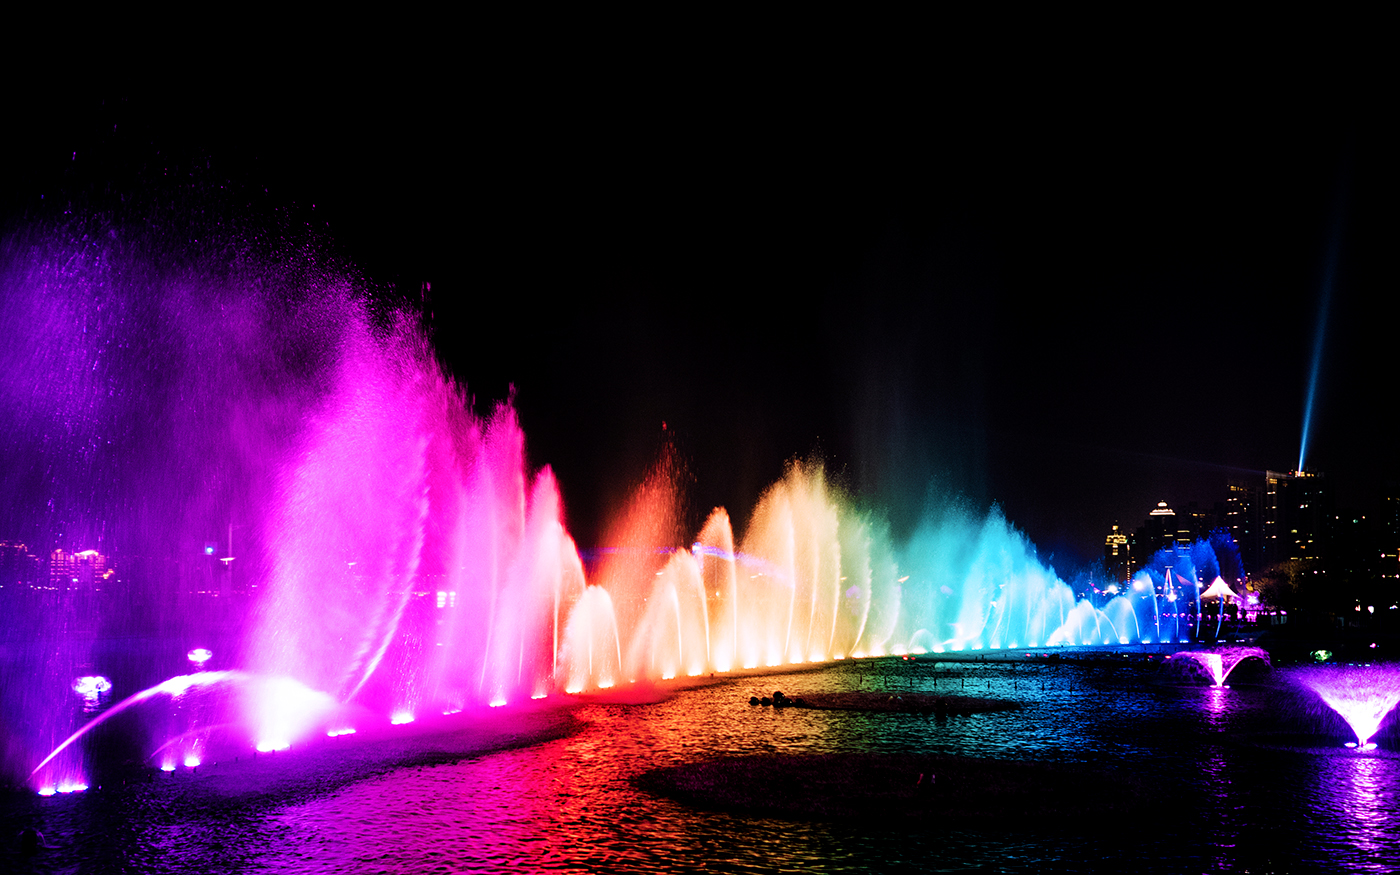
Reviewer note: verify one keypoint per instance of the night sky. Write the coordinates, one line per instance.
(1070, 293)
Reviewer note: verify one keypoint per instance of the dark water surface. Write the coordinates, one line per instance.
(1257, 779)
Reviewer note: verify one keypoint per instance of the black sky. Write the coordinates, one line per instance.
(1069, 293)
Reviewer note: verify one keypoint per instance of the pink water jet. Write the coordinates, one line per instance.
(1220, 662)
(418, 564)
(1362, 695)
(279, 709)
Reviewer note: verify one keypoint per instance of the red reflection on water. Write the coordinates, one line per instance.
(562, 806)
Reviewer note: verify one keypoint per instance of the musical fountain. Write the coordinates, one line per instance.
(399, 555)
(399, 559)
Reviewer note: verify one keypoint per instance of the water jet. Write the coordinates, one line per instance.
(1363, 695)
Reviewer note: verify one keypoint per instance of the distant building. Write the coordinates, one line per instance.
(83, 570)
(1245, 519)
(1197, 523)
(1118, 557)
(1297, 516)
(1293, 544)
(1159, 532)
(17, 566)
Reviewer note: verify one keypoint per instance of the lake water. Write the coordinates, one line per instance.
(1256, 774)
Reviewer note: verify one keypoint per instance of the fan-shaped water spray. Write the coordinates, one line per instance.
(1363, 695)
(1220, 662)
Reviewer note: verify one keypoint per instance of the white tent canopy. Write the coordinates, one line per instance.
(1219, 590)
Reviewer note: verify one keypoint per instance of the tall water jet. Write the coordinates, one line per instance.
(791, 598)
(436, 568)
(974, 582)
(591, 655)
(714, 553)
(395, 550)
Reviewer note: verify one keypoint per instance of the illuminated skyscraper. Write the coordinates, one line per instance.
(1159, 532)
(1244, 518)
(1118, 557)
(1297, 516)
(82, 570)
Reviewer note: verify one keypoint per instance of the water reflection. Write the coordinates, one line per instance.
(568, 805)
(1363, 788)
(1223, 824)
(1217, 703)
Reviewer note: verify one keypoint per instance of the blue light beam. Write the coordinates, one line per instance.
(1324, 301)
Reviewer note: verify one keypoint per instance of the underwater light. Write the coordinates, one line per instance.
(92, 685)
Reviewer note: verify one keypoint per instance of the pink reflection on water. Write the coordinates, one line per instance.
(1368, 801)
(1216, 701)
